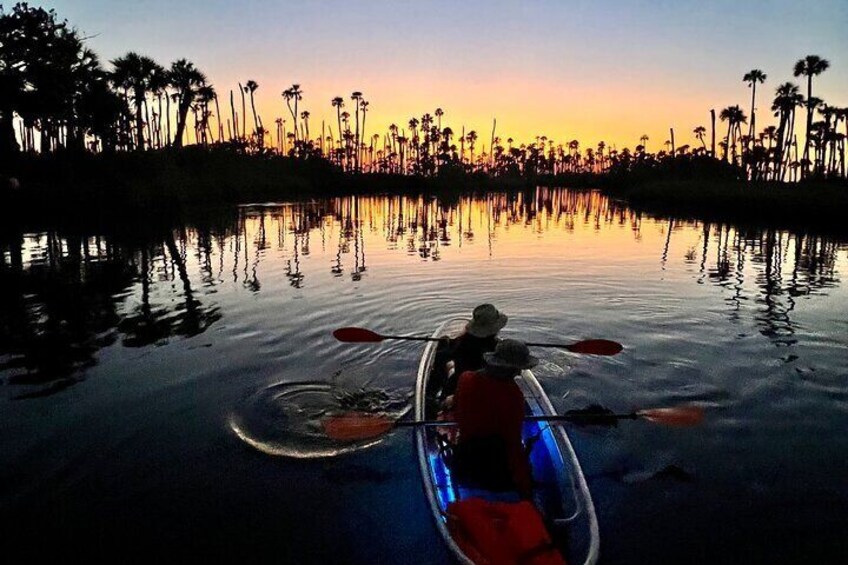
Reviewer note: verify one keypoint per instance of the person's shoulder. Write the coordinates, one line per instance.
(469, 379)
(468, 375)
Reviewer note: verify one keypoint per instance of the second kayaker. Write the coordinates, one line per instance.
(489, 410)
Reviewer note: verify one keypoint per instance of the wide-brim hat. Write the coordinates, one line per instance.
(486, 321)
(511, 354)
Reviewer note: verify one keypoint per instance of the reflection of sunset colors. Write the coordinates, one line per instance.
(174, 285)
(588, 71)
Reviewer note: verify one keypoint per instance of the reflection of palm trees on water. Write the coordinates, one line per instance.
(152, 288)
(811, 258)
(47, 339)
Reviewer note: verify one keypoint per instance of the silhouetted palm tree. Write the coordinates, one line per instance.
(296, 94)
(305, 117)
(734, 116)
(809, 66)
(159, 83)
(471, 138)
(186, 80)
(251, 86)
(338, 104)
(787, 98)
(752, 78)
(363, 106)
(205, 95)
(699, 132)
(356, 96)
(135, 72)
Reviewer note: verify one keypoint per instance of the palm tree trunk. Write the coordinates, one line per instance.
(727, 141)
(462, 146)
(809, 124)
(168, 111)
(751, 129)
(339, 118)
(182, 116)
(712, 117)
(362, 133)
(261, 133)
(253, 109)
(159, 124)
(356, 139)
(218, 117)
(233, 111)
(139, 121)
(149, 123)
(778, 151)
(243, 112)
(492, 151)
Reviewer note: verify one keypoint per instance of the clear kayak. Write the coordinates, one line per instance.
(560, 494)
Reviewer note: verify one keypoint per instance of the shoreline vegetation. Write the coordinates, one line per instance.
(66, 189)
(81, 141)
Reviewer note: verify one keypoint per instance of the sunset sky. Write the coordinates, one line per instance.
(581, 70)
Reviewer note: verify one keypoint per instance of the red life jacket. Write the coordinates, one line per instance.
(501, 533)
(490, 409)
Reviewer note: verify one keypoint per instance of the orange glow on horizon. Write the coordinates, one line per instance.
(523, 108)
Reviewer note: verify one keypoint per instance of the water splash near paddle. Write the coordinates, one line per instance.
(284, 419)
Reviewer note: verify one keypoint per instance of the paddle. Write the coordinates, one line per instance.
(590, 346)
(363, 425)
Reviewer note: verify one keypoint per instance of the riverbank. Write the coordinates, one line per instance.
(69, 189)
(84, 188)
(809, 207)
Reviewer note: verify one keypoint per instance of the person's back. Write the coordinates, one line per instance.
(489, 410)
(467, 350)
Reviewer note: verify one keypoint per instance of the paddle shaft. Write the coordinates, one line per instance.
(419, 338)
(550, 418)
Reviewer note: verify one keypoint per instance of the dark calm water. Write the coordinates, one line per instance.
(161, 388)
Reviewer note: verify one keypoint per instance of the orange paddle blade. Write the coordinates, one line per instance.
(683, 416)
(596, 347)
(357, 335)
(356, 426)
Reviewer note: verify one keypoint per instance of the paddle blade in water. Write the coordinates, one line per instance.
(357, 335)
(355, 426)
(680, 417)
(596, 347)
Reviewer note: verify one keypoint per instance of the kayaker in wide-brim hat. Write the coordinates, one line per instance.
(466, 350)
(510, 355)
(486, 321)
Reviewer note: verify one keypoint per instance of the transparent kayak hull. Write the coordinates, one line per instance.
(561, 492)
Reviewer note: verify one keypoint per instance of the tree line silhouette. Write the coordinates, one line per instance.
(56, 95)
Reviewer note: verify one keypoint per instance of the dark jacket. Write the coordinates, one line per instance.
(466, 351)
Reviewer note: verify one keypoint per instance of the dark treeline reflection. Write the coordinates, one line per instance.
(64, 296)
(785, 267)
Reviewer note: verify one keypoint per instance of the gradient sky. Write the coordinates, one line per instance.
(566, 69)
